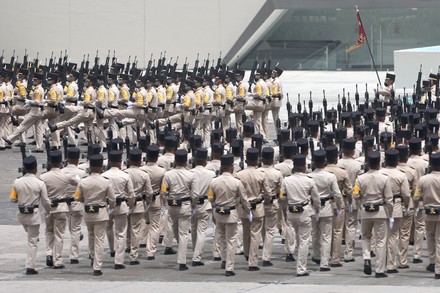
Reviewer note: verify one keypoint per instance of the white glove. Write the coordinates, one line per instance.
(163, 210)
(391, 222)
(249, 216)
(27, 102)
(178, 105)
(129, 104)
(338, 212)
(76, 178)
(416, 211)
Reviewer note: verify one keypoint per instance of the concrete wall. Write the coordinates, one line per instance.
(133, 27)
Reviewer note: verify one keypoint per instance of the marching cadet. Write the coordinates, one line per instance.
(277, 93)
(288, 233)
(177, 188)
(420, 166)
(353, 169)
(328, 190)
(56, 183)
(30, 192)
(376, 201)
(401, 194)
(408, 209)
(268, 104)
(230, 92)
(219, 100)
(153, 214)
(240, 99)
(383, 125)
(33, 118)
(225, 193)
(275, 179)
(205, 122)
(257, 191)
(4, 110)
(338, 217)
(301, 195)
(76, 208)
(143, 193)
(96, 192)
(122, 187)
(428, 191)
(257, 102)
(202, 210)
(101, 103)
(387, 91)
(53, 96)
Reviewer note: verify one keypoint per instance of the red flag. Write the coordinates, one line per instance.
(361, 36)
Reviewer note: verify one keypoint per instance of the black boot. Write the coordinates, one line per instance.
(169, 250)
(49, 261)
(367, 267)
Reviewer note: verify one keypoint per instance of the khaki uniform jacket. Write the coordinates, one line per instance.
(412, 181)
(343, 182)
(156, 174)
(227, 191)
(327, 186)
(29, 190)
(178, 182)
(275, 180)
(166, 161)
(399, 187)
(122, 187)
(141, 184)
(285, 167)
(96, 190)
(257, 188)
(214, 166)
(300, 188)
(56, 183)
(202, 181)
(71, 171)
(378, 193)
(428, 190)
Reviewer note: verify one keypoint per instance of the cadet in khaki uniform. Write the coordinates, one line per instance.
(401, 194)
(300, 193)
(376, 201)
(328, 190)
(56, 184)
(96, 192)
(416, 161)
(408, 212)
(143, 192)
(29, 192)
(338, 218)
(156, 174)
(123, 190)
(177, 187)
(275, 179)
(257, 192)
(277, 93)
(76, 208)
(353, 169)
(202, 211)
(428, 191)
(225, 193)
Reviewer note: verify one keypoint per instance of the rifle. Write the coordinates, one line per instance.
(349, 106)
(241, 143)
(437, 93)
(12, 62)
(47, 146)
(280, 147)
(51, 62)
(311, 105)
(252, 76)
(219, 61)
(106, 68)
(1, 61)
(324, 104)
(127, 147)
(23, 156)
(366, 96)
(150, 62)
(418, 84)
(196, 66)
(65, 58)
(60, 59)
(36, 61)
(356, 97)
(25, 58)
(344, 100)
(298, 105)
(182, 81)
(127, 66)
(89, 144)
(339, 107)
(96, 64)
(30, 78)
(289, 109)
(114, 59)
(65, 147)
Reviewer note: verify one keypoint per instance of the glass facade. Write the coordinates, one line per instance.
(317, 39)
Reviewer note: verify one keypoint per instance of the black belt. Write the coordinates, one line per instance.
(202, 200)
(325, 199)
(27, 209)
(114, 107)
(222, 210)
(53, 106)
(297, 208)
(139, 198)
(54, 202)
(92, 208)
(120, 200)
(255, 202)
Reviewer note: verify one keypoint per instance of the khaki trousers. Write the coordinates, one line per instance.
(419, 233)
(405, 232)
(303, 228)
(135, 234)
(32, 236)
(270, 225)
(199, 226)
(252, 238)
(153, 231)
(322, 239)
(181, 219)
(226, 233)
(55, 228)
(433, 243)
(75, 219)
(380, 231)
(117, 233)
(96, 231)
(393, 244)
(29, 120)
(338, 228)
(351, 221)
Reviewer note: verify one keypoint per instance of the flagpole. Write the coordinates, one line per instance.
(369, 49)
